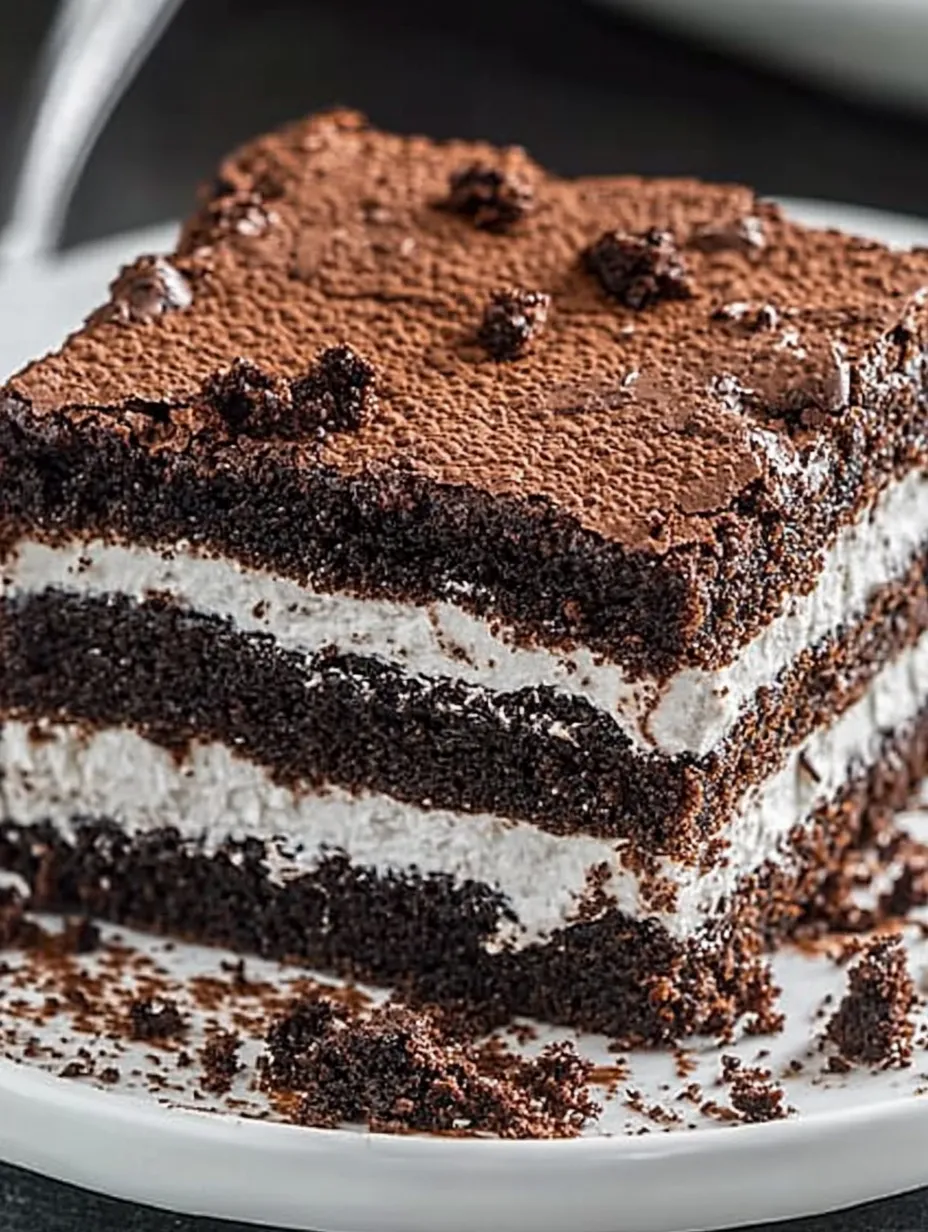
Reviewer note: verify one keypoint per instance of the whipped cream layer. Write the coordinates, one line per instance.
(213, 794)
(691, 713)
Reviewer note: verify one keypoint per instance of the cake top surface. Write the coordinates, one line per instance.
(639, 352)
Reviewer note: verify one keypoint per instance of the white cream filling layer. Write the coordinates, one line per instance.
(692, 713)
(213, 794)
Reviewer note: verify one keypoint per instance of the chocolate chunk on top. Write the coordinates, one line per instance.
(511, 321)
(495, 199)
(334, 395)
(249, 400)
(144, 290)
(337, 393)
(639, 270)
(804, 384)
(743, 235)
(752, 318)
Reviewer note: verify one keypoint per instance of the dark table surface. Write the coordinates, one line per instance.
(584, 91)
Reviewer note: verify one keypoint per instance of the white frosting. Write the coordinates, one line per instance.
(698, 708)
(693, 713)
(214, 794)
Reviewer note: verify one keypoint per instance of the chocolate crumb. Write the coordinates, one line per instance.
(752, 1092)
(718, 1112)
(684, 1063)
(249, 400)
(143, 291)
(75, 1069)
(873, 1023)
(15, 928)
(337, 394)
(730, 1066)
(494, 199)
(511, 322)
(110, 1075)
(639, 270)
(239, 980)
(292, 1037)
(80, 936)
(219, 1057)
(153, 1018)
(756, 1097)
(398, 1070)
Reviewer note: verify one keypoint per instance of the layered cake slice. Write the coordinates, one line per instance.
(506, 587)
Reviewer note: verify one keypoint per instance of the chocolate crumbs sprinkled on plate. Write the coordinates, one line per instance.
(873, 1023)
(219, 1057)
(154, 1019)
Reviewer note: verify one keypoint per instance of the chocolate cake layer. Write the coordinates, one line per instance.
(356, 722)
(625, 977)
(712, 392)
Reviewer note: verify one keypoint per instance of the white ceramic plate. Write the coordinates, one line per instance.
(874, 48)
(853, 1137)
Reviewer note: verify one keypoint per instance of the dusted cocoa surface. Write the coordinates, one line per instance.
(328, 231)
(645, 480)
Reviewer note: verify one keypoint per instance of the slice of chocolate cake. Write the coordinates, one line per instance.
(509, 587)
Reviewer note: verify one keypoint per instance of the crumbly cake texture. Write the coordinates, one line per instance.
(401, 1071)
(505, 587)
(874, 1024)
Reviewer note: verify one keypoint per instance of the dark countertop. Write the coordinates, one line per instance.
(584, 91)
(29, 1204)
